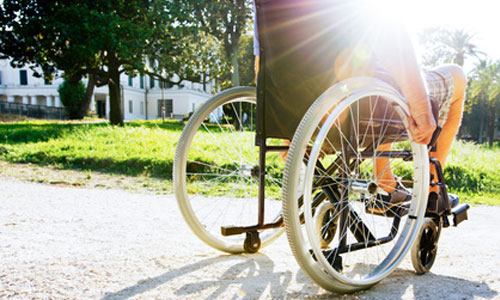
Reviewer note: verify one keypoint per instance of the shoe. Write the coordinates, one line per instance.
(454, 201)
(436, 206)
(384, 203)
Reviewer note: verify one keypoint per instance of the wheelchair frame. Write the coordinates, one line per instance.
(349, 220)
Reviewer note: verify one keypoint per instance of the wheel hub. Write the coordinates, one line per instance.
(246, 170)
(363, 187)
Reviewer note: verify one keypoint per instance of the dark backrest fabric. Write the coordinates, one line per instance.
(299, 42)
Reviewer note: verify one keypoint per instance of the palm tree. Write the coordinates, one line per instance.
(442, 45)
(459, 41)
(485, 91)
(447, 46)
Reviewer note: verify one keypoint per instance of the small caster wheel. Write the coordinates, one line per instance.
(252, 242)
(326, 223)
(424, 250)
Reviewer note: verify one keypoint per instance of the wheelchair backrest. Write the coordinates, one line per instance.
(299, 43)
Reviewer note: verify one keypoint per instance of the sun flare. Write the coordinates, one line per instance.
(399, 10)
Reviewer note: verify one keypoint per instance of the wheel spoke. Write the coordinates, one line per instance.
(358, 249)
(216, 156)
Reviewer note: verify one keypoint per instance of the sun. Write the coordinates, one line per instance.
(398, 10)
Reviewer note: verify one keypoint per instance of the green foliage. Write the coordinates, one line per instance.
(106, 38)
(148, 147)
(484, 92)
(246, 61)
(442, 45)
(485, 82)
(226, 21)
(246, 67)
(72, 96)
(472, 172)
(473, 121)
(473, 168)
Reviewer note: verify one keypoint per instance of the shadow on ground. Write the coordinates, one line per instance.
(255, 275)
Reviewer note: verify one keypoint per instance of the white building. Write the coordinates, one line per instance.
(142, 96)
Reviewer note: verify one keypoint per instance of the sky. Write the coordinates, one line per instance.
(478, 17)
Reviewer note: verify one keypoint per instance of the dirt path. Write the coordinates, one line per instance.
(76, 243)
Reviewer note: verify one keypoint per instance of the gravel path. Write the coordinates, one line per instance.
(71, 243)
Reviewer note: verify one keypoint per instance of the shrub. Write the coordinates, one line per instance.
(72, 97)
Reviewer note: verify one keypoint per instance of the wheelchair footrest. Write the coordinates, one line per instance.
(232, 230)
(459, 214)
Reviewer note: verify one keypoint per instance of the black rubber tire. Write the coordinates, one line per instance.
(424, 250)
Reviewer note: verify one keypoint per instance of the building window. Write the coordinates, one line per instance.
(168, 106)
(151, 81)
(0, 77)
(141, 81)
(130, 81)
(23, 77)
(130, 106)
(142, 107)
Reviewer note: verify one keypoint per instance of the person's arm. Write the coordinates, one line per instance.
(395, 51)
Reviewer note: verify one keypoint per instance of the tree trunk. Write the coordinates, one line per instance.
(481, 123)
(235, 76)
(491, 124)
(115, 101)
(84, 109)
(460, 58)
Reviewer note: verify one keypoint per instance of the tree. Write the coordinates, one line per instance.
(440, 46)
(227, 21)
(247, 78)
(485, 89)
(103, 39)
(72, 95)
(246, 61)
(447, 46)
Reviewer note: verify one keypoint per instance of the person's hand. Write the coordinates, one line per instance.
(422, 127)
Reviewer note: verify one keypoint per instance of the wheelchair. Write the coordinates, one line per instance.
(237, 192)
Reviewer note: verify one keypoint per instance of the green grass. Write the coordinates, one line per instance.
(147, 148)
(140, 148)
(473, 172)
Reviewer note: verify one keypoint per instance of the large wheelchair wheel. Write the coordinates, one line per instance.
(340, 231)
(216, 173)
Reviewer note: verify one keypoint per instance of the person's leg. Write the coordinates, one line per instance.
(450, 115)
(449, 89)
(383, 173)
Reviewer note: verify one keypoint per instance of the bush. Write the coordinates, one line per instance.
(72, 97)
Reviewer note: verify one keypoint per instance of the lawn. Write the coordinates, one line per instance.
(146, 148)
(140, 148)
(473, 172)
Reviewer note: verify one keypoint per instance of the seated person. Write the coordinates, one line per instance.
(391, 55)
